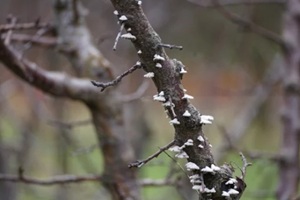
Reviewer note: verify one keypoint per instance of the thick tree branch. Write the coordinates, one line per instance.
(167, 79)
(53, 83)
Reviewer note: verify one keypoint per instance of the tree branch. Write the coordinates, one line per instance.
(209, 4)
(140, 163)
(248, 24)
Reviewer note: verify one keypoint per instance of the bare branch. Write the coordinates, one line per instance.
(138, 163)
(118, 37)
(63, 179)
(158, 183)
(103, 86)
(43, 41)
(245, 165)
(137, 94)
(53, 83)
(248, 25)
(24, 26)
(171, 46)
(209, 4)
(70, 125)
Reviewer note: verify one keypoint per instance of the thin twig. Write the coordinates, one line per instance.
(209, 4)
(137, 94)
(170, 46)
(157, 183)
(118, 37)
(138, 163)
(245, 165)
(103, 86)
(24, 26)
(63, 179)
(69, 125)
(249, 25)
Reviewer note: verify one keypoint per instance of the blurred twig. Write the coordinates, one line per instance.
(247, 24)
(209, 4)
(69, 125)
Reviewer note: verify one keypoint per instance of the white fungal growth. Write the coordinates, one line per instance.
(195, 176)
(129, 29)
(184, 90)
(139, 2)
(116, 12)
(186, 96)
(158, 65)
(167, 104)
(159, 98)
(175, 149)
(212, 190)
(195, 181)
(200, 138)
(186, 114)
(182, 71)
(189, 142)
(138, 63)
(123, 18)
(191, 166)
(174, 121)
(225, 194)
(149, 75)
(231, 181)
(181, 155)
(128, 36)
(210, 145)
(197, 187)
(233, 191)
(200, 146)
(158, 58)
(162, 93)
(215, 168)
(206, 119)
(139, 52)
(207, 170)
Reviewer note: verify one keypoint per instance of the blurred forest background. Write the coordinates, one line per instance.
(227, 66)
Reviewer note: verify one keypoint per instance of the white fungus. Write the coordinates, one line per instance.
(139, 2)
(149, 75)
(175, 149)
(195, 176)
(206, 119)
(233, 191)
(158, 58)
(174, 121)
(139, 52)
(191, 166)
(162, 93)
(138, 63)
(186, 114)
(181, 155)
(231, 181)
(186, 96)
(182, 71)
(159, 98)
(207, 170)
(123, 18)
(189, 142)
(215, 168)
(158, 65)
(200, 138)
(200, 146)
(129, 29)
(206, 190)
(195, 181)
(197, 187)
(128, 36)
(116, 12)
(225, 194)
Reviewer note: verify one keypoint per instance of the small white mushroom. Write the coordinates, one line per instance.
(158, 58)
(159, 98)
(206, 190)
(215, 168)
(182, 71)
(207, 170)
(139, 52)
(128, 36)
(123, 18)
(189, 142)
(200, 138)
(139, 2)
(182, 155)
(233, 191)
(225, 194)
(206, 119)
(200, 146)
(231, 181)
(149, 75)
(158, 65)
(162, 93)
(138, 63)
(191, 166)
(197, 187)
(186, 114)
(175, 149)
(174, 121)
(116, 12)
(186, 96)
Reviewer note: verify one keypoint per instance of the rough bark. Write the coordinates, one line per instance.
(289, 164)
(168, 80)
